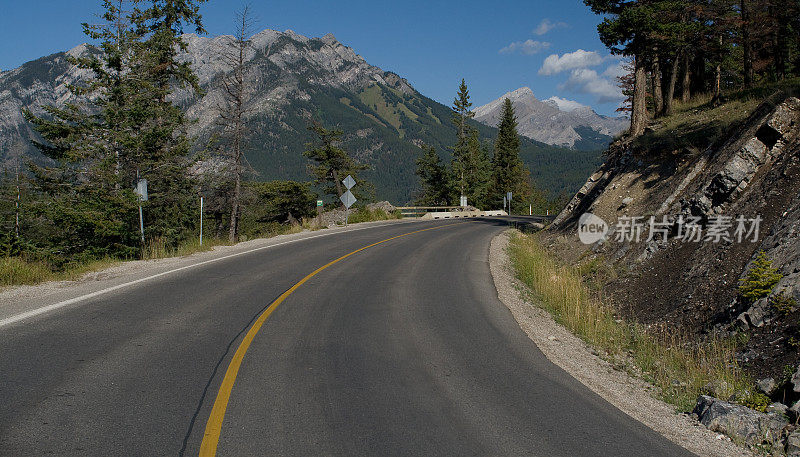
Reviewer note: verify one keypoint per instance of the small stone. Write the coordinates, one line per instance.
(793, 444)
(796, 380)
(766, 385)
(777, 408)
(795, 408)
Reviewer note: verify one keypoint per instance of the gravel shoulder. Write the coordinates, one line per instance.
(17, 300)
(631, 395)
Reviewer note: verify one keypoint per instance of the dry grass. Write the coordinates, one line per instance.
(680, 368)
(19, 271)
(159, 249)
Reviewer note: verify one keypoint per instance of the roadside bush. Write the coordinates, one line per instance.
(364, 214)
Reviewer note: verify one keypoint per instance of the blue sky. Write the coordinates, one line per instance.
(496, 46)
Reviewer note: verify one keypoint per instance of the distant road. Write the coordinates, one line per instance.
(399, 349)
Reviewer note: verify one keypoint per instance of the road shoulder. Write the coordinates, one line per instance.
(632, 396)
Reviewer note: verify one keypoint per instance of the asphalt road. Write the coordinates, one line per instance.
(400, 349)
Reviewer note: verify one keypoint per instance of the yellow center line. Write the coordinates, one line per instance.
(214, 425)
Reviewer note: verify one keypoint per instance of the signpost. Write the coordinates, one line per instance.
(201, 220)
(508, 197)
(141, 191)
(348, 198)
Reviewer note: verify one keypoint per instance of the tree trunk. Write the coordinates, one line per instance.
(658, 97)
(717, 76)
(233, 235)
(747, 45)
(781, 47)
(673, 80)
(639, 108)
(686, 94)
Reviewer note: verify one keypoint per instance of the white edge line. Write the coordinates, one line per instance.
(72, 301)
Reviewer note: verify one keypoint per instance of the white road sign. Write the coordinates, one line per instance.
(349, 182)
(348, 199)
(141, 189)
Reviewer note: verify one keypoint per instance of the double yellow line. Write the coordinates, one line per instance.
(214, 425)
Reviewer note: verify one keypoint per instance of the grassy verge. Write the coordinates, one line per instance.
(18, 270)
(680, 368)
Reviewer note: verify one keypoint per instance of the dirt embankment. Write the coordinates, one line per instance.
(710, 211)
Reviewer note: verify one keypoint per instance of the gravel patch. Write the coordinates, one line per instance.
(631, 395)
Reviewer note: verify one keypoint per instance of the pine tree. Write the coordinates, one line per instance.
(464, 154)
(479, 172)
(333, 164)
(161, 143)
(760, 279)
(509, 173)
(123, 125)
(433, 177)
(461, 110)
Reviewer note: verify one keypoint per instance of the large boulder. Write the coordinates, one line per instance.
(740, 422)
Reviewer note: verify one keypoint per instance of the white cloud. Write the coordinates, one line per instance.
(586, 81)
(547, 25)
(579, 59)
(528, 47)
(616, 70)
(565, 105)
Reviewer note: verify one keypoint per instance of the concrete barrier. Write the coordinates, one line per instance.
(461, 214)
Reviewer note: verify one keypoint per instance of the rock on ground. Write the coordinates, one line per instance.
(740, 422)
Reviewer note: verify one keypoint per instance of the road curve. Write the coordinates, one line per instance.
(399, 349)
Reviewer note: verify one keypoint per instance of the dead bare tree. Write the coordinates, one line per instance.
(233, 110)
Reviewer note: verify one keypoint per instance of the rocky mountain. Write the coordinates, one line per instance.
(293, 81)
(555, 121)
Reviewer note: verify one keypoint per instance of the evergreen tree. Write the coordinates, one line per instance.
(469, 163)
(461, 109)
(509, 173)
(433, 177)
(333, 164)
(125, 126)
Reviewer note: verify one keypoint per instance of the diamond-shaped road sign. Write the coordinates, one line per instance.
(348, 199)
(349, 182)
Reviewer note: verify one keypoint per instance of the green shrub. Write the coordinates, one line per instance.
(760, 280)
(754, 400)
(783, 304)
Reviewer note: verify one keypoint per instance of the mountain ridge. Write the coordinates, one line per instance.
(294, 80)
(551, 122)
